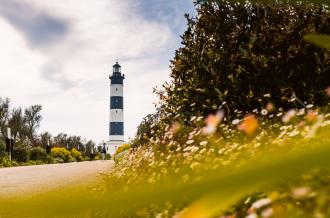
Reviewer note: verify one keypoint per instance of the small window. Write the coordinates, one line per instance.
(116, 111)
(116, 89)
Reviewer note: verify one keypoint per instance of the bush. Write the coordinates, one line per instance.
(14, 163)
(4, 161)
(242, 56)
(58, 160)
(20, 154)
(61, 153)
(76, 154)
(3, 151)
(122, 148)
(38, 154)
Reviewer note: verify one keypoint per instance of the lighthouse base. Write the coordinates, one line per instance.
(113, 145)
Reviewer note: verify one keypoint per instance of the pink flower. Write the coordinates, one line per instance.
(212, 121)
(327, 91)
(289, 115)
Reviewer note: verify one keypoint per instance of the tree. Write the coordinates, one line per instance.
(90, 145)
(4, 114)
(61, 140)
(238, 57)
(32, 118)
(17, 124)
(146, 129)
(45, 138)
(75, 142)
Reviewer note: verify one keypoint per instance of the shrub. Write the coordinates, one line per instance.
(38, 154)
(242, 56)
(61, 153)
(4, 161)
(14, 163)
(76, 154)
(122, 148)
(58, 160)
(20, 154)
(3, 151)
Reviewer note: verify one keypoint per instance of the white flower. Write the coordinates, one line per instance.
(267, 95)
(261, 203)
(190, 142)
(194, 149)
(279, 114)
(252, 215)
(193, 118)
(264, 112)
(203, 143)
(235, 122)
(309, 106)
(301, 112)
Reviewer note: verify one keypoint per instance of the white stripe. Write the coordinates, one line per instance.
(116, 90)
(116, 138)
(116, 115)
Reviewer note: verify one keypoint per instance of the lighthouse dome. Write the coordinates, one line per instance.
(116, 65)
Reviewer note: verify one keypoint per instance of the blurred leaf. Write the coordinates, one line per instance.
(320, 40)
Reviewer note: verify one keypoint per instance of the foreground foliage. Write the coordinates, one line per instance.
(277, 170)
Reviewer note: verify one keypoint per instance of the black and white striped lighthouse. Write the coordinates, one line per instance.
(116, 126)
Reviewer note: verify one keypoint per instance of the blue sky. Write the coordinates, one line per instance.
(60, 53)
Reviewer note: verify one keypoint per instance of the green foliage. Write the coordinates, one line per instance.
(240, 57)
(144, 130)
(320, 40)
(58, 160)
(35, 162)
(20, 154)
(38, 153)
(4, 161)
(61, 153)
(32, 119)
(122, 148)
(2, 148)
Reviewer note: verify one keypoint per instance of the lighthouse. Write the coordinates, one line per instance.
(116, 124)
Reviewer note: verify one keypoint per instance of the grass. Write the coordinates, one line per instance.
(152, 181)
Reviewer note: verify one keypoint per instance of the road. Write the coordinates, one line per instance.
(18, 181)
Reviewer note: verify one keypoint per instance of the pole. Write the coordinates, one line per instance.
(48, 150)
(9, 137)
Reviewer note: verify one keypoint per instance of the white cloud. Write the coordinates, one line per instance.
(70, 77)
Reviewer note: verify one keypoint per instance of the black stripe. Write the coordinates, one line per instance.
(116, 128)
(117, 79)
(116, 102)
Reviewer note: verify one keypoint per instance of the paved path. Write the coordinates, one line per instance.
(17, 181)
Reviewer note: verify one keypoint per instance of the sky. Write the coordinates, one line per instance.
(60, 53)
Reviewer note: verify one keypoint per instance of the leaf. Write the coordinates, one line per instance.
(320, 40)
